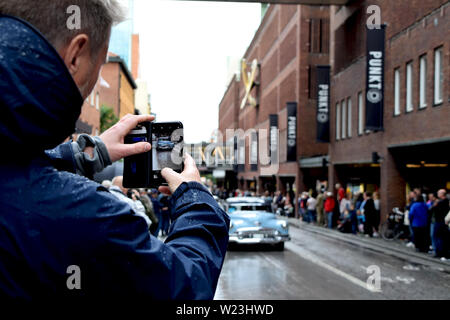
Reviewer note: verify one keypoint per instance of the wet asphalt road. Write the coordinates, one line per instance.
(316, 267)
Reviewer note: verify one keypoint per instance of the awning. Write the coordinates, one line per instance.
(313, 162)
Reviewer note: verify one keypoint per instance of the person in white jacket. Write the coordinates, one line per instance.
(118, 190)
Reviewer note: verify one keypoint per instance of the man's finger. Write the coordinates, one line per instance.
(165, 190)
(135, 148)
(131, 122)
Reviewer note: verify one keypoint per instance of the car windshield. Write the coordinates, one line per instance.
(248, 207)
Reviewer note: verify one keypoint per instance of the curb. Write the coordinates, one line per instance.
(371, 245)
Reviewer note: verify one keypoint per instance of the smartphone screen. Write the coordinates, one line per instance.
(167, 148)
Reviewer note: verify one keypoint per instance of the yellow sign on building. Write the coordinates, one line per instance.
(249, 80)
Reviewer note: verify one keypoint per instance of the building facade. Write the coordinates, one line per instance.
(89, 120)
(411, 149)
(117, 92)
(290, 43)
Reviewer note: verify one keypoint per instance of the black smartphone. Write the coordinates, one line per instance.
(144, 170)
(136, 168)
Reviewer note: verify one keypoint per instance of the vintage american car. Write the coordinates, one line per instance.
(253, 223)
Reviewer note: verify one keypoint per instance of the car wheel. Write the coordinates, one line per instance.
(279, 246)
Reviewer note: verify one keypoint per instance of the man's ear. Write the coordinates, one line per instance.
(75, 51)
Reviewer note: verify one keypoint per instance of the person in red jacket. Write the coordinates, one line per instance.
(329, 208)
(340, 191)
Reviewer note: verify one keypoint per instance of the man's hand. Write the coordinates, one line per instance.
(174, 179)
(113, 138)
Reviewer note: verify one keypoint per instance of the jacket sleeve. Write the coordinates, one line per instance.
(70, 156)
(187, 265)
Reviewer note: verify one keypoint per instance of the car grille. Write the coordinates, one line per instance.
(266, 233)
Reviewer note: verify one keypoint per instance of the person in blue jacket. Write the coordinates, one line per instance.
(418, 219)
(61, 234)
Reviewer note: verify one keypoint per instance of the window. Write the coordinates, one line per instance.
(309, 82)
(409, 104)
(349, 115)
(310, 35)
(438, 76)
(344, 119)
(92, 99)
(338, 121)
(423, 82)
(360, 114)
(97, 101)
(397, 91)
(320, 35)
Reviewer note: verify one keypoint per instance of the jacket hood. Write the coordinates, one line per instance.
(39, 100)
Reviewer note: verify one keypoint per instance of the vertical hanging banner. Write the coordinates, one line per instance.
(323, 104)
(273, 136)
(254, 151)
(375, 78)
(291, 131)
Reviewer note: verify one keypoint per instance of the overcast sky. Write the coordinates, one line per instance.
(184, 50)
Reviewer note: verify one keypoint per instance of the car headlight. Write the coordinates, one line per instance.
(283, 224)
(235, 223)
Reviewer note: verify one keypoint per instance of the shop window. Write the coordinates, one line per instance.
(438, 76)
(397, 92)
(423, 82)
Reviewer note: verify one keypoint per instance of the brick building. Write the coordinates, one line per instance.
(414, 142)
(288, 45)
(89, 120)
(118, 94)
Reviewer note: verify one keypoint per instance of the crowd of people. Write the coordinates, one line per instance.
(426, 221)
(151, 204)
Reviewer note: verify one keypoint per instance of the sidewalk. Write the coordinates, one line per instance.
(396, 248)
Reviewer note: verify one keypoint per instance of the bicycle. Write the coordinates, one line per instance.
(394, 227)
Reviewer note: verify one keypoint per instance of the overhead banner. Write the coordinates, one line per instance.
(291, 131)
(323, 103)
(273, 136)
(375, 78)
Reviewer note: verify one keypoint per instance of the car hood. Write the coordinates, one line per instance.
(39, 100)
(254, 218)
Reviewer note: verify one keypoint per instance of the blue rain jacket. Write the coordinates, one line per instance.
(52, 219)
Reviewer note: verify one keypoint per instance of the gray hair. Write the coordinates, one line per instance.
(50, 18)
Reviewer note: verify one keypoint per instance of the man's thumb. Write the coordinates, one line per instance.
(173, 178)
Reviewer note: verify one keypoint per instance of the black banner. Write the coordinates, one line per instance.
(375, 78)
(323, 103)
(273, 138)
(291, 131)
(254, 151)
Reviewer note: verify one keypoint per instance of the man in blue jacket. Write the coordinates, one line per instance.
(61, 234)
(418, 219)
